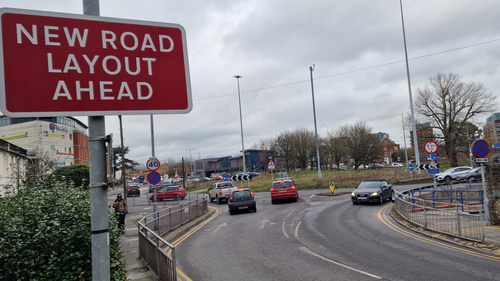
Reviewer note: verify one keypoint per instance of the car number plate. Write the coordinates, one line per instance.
(362, 198)
(244, 207)
(282, 191)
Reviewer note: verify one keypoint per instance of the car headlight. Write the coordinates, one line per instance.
(353, 194)
(375, 194)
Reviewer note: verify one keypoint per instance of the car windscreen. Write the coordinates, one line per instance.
(238, 195)
(284, 184)
(370, 184)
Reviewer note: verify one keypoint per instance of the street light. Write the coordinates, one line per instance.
(311, 69)
(241, 124)
(415, 140)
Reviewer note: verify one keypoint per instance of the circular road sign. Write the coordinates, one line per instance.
(480, 148)
(154, 177)
(153, 164)
(410, 167)
(225, 178)
(430, 147)
(432, 164)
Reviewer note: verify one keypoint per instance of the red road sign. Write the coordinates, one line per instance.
(431, 147)
(153, 164)
(480, 148)
(63, 64)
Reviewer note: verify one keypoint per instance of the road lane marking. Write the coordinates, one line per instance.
(337, 263)
(283, 229)
(297, 229)
(391, 225)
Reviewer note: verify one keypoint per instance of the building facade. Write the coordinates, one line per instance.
(491, 130)
(64, 139)
(12, 160)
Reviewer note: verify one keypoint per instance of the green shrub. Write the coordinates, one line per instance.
(46, 236)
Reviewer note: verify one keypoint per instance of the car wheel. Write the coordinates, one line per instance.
(210, 198)
(231, 212)
(218, 200)
(273, 202)
(447, 179)
(354, 203)
(472, 178)
(182, 198)
(176, 197)
(255, 209)
(381, 199)
(294, 199)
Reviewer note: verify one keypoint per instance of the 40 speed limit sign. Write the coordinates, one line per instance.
(153, 164)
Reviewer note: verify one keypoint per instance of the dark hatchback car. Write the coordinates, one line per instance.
(133, 189)
(241, 199)
(372, 191)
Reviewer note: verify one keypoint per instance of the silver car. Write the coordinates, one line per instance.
(451, 174)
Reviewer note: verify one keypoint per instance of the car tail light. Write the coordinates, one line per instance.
(272, 189)
(220, 191)
(251, 193)
(293, 186)
(231, 198)
(129, 190)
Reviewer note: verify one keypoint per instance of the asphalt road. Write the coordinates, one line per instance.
(323, 238)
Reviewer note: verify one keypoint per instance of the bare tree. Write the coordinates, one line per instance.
(304, 147)
(284, 148)
(361, 144)
(448, 104)
(336, 147)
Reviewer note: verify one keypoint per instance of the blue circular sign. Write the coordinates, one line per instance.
(480, 148)
(154, 177)
(410, 167)
(224, 178)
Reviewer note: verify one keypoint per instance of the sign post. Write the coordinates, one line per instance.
(85, 65)
(271, 167)
(481, 149)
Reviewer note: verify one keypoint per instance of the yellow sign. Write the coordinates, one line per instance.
(332, 186)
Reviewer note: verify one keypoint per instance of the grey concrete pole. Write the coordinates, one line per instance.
(311, 69)
(241, 125)
(99, 221)
(415, 140)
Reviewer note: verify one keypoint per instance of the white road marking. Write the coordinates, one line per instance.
(339, 264)
(214, 229)
(283, 229)
(297, 229)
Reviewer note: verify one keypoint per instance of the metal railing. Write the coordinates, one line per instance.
(157, 253)
(451, 218)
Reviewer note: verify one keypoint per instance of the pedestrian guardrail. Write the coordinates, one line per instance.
(451, 218)
(157, 253)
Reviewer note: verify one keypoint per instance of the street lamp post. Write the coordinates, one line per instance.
(241, 124)
(311, 69)
(415, 139)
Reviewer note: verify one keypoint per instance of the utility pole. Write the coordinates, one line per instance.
(311, 69)
(241, 124)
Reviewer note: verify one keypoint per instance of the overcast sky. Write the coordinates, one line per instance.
(356, 46)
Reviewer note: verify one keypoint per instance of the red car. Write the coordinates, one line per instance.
(218, 178)
(284, 189)
(169, 192)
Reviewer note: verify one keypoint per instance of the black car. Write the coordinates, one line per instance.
(372, 191)
(133, 189)
(241, 199)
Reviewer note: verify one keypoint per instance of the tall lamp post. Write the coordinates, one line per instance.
(241, 125)
(415, 139)
(311, 69)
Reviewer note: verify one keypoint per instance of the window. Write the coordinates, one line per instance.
(396, 148)
(70, 150)
(70, 136)
(385, 148)
(52, 147)
(45, 134)
(62, 136)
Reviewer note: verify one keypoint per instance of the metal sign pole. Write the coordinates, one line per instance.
(99, 225)
(485, 196)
